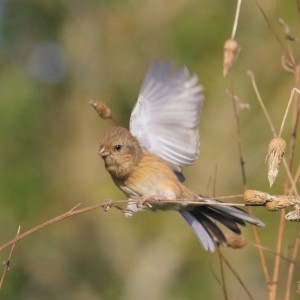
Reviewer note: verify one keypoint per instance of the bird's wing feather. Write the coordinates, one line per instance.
(165, 117)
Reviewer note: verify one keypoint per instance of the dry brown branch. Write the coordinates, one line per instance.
(274, 253)
(236, 275)
(259, 98)
(294, 90)
(291, 268)
(153, 204)
(275, 277)
(49, 222)
(280, 42)
(238, 132)
(223, 282)
(7, 262)
(272, 128)
(235, 102)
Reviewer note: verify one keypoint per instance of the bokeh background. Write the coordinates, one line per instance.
(54, 56)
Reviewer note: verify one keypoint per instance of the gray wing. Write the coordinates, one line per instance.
(165, 117)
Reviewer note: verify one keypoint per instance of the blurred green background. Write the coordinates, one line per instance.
(54, 56)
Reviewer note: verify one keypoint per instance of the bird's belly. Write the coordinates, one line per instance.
(148, 188)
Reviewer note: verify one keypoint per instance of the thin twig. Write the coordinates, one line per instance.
(277, 256)
(223, 283)
(295, 123)
(242, 163)
(282, 45)
(59, 218)
(291, 268)
(261, 256)
(273, 286)
(289, 178)
(236, 276)
(267, 116)
(259, 98)
(7, 262)
(287, 109)
(238, 131)
(297, 175)
(273, 252)
(115, 204)
(215, 181)
(236, 19)
(228, 197)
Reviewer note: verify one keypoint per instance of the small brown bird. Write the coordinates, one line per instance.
(163, 136)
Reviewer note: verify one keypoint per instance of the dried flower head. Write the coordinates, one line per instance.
(235, 241)
(293, 216)
(231, 51)
(280, 203)
(274, 157)
(101, 108)
(256, 197)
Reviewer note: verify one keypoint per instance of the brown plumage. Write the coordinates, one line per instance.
(139, 173)
(163, 137)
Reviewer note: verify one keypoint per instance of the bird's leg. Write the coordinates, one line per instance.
(147, 199)
(143, 203)
(133, 207)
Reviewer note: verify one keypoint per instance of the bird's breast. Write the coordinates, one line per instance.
(152, 176)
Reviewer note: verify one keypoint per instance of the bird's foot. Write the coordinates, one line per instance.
(147, 199)
(106, 205)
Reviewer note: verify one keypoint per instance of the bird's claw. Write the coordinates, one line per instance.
(146, 200)
(106, 205)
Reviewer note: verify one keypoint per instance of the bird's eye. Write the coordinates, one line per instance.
(118, 147)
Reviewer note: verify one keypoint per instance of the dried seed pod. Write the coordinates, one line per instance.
(235, 241)
(274, 157)
(280, 203)
(293, 216)
(256, 197)
(101, 108)
(230, 53)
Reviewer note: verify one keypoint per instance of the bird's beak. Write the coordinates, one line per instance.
(103, 152)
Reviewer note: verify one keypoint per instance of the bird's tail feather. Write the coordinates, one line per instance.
(202, 218)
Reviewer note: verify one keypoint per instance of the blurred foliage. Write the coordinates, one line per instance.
(54, 56)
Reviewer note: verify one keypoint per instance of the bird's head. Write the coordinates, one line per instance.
(120, 151)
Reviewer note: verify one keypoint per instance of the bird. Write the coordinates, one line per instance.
(146, 160)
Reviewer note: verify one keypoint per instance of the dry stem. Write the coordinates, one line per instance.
(236, 18)
(223, 283)
(291, 268)
(7, 262)
(236, 276)
(154, 204)
(243, 170)
(294, 90)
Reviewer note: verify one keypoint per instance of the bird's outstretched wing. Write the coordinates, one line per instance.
(165, 117)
